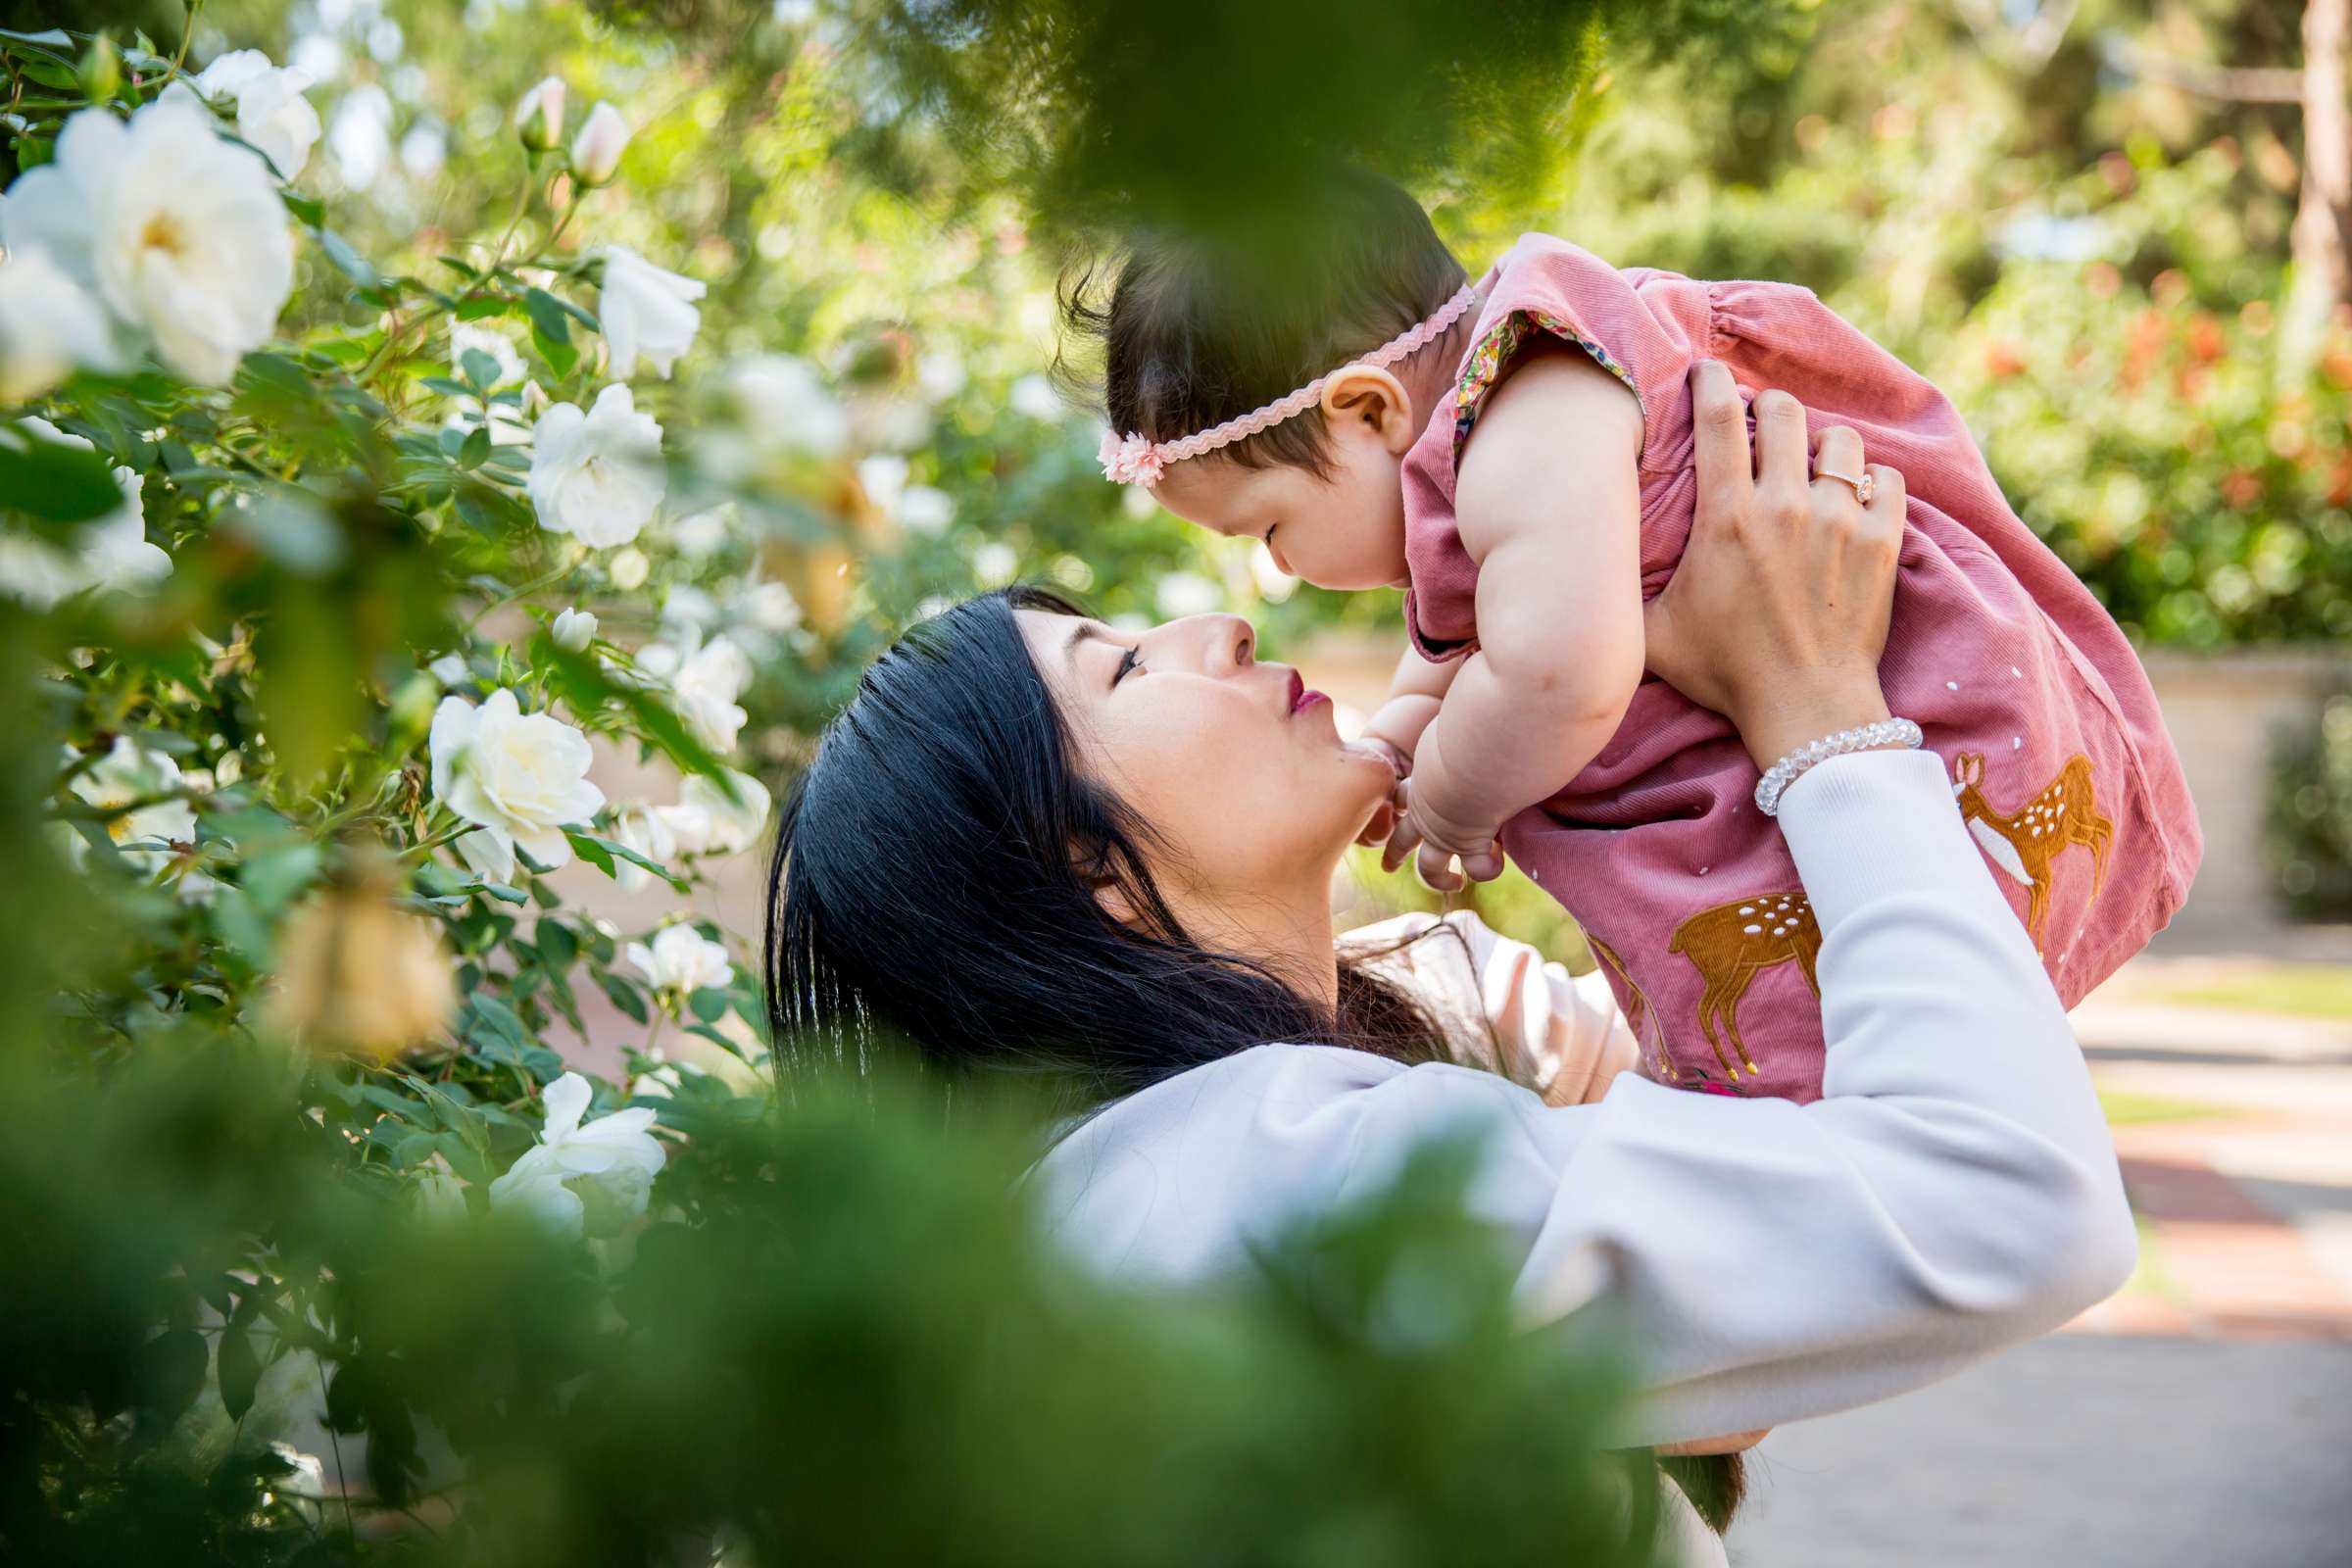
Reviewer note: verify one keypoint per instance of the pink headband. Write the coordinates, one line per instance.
(1134, 459)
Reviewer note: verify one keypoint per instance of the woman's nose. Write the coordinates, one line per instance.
(1237, 641)
(1223, 643)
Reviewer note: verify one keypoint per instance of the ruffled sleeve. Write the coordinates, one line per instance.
(1645, 327)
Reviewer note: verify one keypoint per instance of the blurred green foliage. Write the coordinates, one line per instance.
(831, 1334)
(838, 1339)
(2308, 818)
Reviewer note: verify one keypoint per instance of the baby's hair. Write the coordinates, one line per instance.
(1201, 327)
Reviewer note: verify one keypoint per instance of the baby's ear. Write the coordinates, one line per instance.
(1366, 394)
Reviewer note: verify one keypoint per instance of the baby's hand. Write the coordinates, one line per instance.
(1435, 842)
(1383, 821)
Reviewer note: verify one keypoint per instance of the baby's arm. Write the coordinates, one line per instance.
(1414, 693)
(1549, 503)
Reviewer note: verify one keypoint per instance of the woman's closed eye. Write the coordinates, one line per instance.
(1129, 659)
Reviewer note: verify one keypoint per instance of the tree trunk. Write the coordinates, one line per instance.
(2323, 233)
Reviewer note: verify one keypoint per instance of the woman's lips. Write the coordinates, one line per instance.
(1301, 697)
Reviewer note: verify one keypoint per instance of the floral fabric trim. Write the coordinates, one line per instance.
(1483, 366)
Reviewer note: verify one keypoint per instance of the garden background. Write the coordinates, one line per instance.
(334, 546)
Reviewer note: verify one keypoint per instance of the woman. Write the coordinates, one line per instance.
(1037, 844)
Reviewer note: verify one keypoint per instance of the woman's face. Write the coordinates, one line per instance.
(1236, 765)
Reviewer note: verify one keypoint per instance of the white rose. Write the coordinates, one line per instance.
(704, 532)
(177, 232)
(768, 606)
(49, 327)
(704, 683)
(783, 404)
(659, 833)
(595, 1178)
(681, 959)
(463, 335)
(273, 114)
(539, 115)
(596, 151)
(574, 630)
(597, 476)
(438, 1197)
(644, 310)
(130, 772)
(685, 604)
(451, 669)
(519, 777)
(736, 824)
(112, 551)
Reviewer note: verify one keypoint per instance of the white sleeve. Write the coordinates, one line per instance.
(1954, 1191)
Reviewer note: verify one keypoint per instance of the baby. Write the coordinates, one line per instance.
(1517, 455)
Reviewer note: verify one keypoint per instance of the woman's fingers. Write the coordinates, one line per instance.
(1887, 497)
(1784, 457)
(1837, 453)
(1719, 415)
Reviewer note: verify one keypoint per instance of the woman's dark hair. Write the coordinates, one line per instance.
(1204, 326)
(937, 873)
(936, 878)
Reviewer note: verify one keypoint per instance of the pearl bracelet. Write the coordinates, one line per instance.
(1798, 763)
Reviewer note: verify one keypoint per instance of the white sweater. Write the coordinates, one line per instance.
(1953, 1192)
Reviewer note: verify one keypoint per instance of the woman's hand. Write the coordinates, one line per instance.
(1778, 614)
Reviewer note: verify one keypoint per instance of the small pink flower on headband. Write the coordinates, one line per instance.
(1130, 459)
(1136, 459)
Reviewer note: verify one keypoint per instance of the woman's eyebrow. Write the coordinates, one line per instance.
(1084, 629)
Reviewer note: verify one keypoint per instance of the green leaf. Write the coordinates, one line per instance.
(309, 209)
(239, 1367)
(55, 482)
(709, 1004)
(556, 947)
(613, 850)
(585, 687)
(593, 851)
(549, 317)
(561, 356)
(504, 893)
(481, 370)
(55, 42)
(476, 444)
(624, 995)
(273, 876)
(348, 260)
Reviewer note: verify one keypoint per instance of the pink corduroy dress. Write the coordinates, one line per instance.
(2023, 684)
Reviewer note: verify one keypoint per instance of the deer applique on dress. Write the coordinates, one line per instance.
(1729, 945)
(1639, 1012)
(2025, 843)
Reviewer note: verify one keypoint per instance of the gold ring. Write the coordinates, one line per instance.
(1864, 487)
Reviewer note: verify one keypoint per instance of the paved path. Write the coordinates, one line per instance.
(2080, 1451)
(2202, 1418)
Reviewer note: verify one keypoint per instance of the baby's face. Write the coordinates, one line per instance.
(1344, 531)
